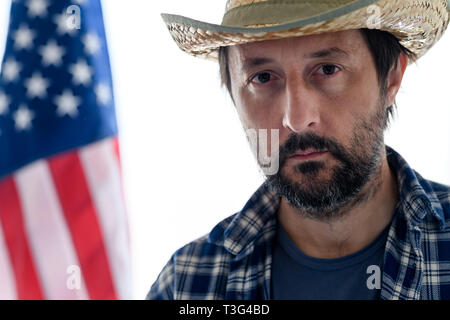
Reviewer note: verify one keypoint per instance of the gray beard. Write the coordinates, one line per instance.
(355, 179)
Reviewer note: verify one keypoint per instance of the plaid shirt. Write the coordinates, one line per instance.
(234, 260)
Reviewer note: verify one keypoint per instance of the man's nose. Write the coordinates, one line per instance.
(301, 106)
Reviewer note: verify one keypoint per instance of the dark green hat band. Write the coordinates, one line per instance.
(284, 11)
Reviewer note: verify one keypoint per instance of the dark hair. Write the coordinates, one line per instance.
(384, 46)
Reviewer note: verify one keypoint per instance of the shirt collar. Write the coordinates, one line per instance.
(417, 196)
(258, 218)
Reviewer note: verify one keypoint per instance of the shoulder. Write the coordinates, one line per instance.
(200, 269)
(442, 194)
(437, 202)
(197, 270)
(435, 242)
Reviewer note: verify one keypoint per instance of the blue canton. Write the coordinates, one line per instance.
(55, 82)
(234, 260)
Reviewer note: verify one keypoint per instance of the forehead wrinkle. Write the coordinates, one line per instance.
(339, 45)
(333, 52)
(252, 62)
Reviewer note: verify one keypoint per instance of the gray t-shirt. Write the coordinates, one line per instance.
(297, 276)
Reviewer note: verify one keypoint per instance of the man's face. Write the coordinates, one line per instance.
(323, 95)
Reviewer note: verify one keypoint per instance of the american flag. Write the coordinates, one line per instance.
(63, 224)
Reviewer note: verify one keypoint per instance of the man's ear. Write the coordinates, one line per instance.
(395, 78)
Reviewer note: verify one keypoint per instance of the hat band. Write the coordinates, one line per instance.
(273, 12)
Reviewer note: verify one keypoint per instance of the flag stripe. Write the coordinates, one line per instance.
(49, 236)
(27, 282)
(7, 285)
(116, 147)
(118, 160)
(81, 218)
(103, 176)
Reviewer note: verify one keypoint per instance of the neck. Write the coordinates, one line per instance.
(353, 229)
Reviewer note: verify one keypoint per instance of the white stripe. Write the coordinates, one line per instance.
(7, 279)
(49, 237)
(103, 176)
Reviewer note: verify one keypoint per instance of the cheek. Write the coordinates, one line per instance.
(356, 98)
(245, 113)
(254, 112)
(343, 109)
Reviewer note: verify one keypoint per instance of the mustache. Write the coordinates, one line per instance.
(302, 142)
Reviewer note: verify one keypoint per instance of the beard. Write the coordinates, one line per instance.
(328, 198)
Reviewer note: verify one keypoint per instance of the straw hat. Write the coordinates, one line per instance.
(418, 24)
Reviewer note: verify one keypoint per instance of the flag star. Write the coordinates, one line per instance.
(103, 93)
(11, 70)
(62, 25)
(23, 38)
(81, 73)
(67, 104)
(37, 86)
(23, 118)
(91, 43)
(4, 103)
(52, 53)
(37, 8)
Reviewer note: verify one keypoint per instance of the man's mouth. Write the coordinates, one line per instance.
(308, 154)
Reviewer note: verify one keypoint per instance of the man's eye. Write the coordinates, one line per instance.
(329, 69)
(262, 77)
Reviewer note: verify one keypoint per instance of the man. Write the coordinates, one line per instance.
(344, 216)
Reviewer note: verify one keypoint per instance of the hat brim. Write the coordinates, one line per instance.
(418, 24)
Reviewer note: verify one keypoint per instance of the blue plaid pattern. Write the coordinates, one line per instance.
(234, 260)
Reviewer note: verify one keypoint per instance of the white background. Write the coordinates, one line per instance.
(185, 157)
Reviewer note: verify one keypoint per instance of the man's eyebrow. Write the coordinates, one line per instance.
(253, 62)
(333, 52)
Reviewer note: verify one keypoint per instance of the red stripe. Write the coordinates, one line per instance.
(116, 147)
(27, 283)
(81, 217)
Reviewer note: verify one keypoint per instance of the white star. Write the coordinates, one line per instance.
(81, 73)
(103, 93)
(37, 8)
(51, 53)
(67, 104)
(62, 24)
(4, 103)
(91, 43)
(22, 118)
(11, 70)
(23, 38)
(37, 86)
